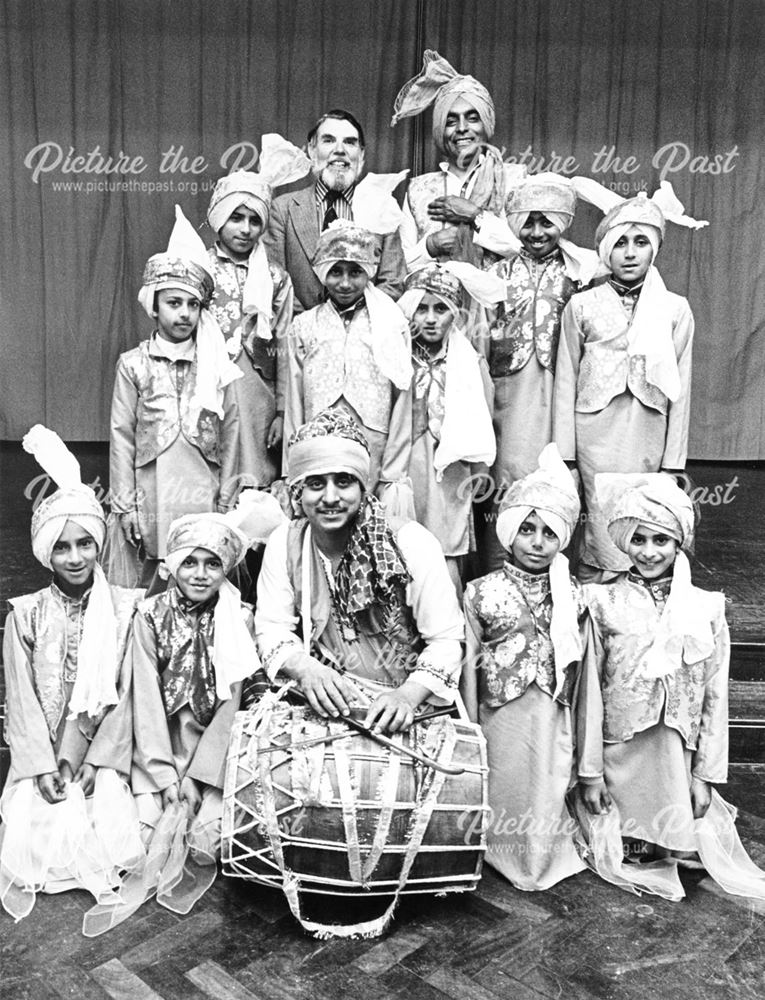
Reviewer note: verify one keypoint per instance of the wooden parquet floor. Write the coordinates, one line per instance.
(581, 940)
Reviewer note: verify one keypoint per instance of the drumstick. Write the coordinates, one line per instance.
(331, 737)
(304, 744)
(399, 748)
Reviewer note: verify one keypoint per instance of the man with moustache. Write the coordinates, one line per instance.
(336, 148)
(373, 596)
(458, 211)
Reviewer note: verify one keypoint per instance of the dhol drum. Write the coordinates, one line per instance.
(313, 807)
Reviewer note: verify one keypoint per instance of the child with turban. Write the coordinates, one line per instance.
(458, 211)
(191, 649)
(652, 712)
(524, 647)
(174, 420)
(623, 376)
(523, 336)
(352, 353)
(68, 818)
(253, 301)
(452, 395)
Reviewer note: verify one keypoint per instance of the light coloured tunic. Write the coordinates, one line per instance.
(444, 508)
(607, 417)
(645, 735)
(512, 686)
(160, 463)
(260, 393)
(40, 653)
(170, 748)
(76, 843)
(425, 645)
(521, 351)
(332, 366)
(493, 234)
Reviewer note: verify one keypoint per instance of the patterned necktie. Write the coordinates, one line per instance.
(330, 215)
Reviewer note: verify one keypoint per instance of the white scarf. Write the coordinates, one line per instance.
(684, 634)
(391, 345)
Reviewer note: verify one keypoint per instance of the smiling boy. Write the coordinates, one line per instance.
(351, 352)
(63, 661)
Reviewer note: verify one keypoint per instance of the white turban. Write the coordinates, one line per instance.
(97, 658)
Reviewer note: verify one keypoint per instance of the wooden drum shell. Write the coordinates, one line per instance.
(313, 836)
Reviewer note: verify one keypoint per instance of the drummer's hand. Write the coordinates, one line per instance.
(325, 689)
(393, 711)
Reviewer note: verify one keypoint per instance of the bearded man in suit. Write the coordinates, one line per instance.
(336, 148)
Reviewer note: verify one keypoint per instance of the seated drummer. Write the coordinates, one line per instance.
(385, 627)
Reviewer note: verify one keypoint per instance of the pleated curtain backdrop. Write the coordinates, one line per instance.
(114, 111)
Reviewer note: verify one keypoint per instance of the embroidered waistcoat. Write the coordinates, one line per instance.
(50, 623)
(339, 363)
(165, 390)
(528, 321)
(606, 370)
(514, 609)
(626, 614)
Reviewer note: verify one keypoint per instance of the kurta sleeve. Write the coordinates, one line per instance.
(208, 764)
(282, 308)
(294, 410)
(710, 761)
(73, 745)
(473, 636)
(122, 442)
(153, 765)
(276, 617)
(398, 446)
(26, 729)
(589, 707)
(112, 745)
(679, 413)
(229, 451)
(433, 600)
(566, 378)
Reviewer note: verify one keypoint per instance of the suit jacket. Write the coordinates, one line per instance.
(290, 242)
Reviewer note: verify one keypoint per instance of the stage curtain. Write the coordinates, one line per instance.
(669, 83)
(158, 80)
(669, 88)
